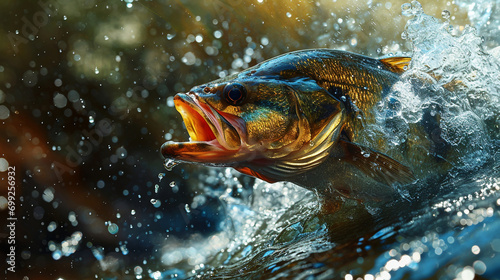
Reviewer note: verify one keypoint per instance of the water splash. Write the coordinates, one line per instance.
(169, 164)
(67, 247)
(484, 16)
(451, 83)
(462, 90)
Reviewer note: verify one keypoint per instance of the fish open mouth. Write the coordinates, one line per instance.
(215, 135)
(199, 128)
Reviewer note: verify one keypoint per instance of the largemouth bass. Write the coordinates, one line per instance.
(296, 118)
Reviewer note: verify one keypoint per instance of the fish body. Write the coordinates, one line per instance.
(296, 118)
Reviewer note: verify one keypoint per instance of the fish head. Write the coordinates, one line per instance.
(252, 122)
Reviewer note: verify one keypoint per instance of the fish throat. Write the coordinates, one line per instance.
(197, 127)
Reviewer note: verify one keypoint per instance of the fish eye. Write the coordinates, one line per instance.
(235, 94)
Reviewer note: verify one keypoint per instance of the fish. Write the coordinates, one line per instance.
(296, 118)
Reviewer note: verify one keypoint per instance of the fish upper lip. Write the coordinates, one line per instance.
(194, 112)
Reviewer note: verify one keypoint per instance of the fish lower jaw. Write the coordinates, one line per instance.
(205, 152)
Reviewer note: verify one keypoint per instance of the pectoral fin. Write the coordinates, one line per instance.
(380, 167)
(248, 171)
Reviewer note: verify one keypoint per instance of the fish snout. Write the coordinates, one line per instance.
(202, 90)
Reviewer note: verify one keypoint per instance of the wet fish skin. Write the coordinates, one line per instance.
(293, 118)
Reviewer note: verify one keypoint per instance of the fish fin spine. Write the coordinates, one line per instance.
(396, 64)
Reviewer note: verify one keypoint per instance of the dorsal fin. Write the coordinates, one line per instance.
(396, 64)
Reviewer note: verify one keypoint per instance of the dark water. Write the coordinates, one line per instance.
(86, 92)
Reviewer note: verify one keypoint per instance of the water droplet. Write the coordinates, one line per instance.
(156, 203)
(406, 9)
(160, 176)
(186, 207)
(174, 187)
(52, 226)
(446, 14)
(112, 228)
(404, 35)
(170, 164)
(57, 255)
(48, 195)
(475, 249)
(157, 187)
(354, 42)
(96, 71)
(58, 82)
(60, 100)
(156, 275)
(132, 212)
(124, 249)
